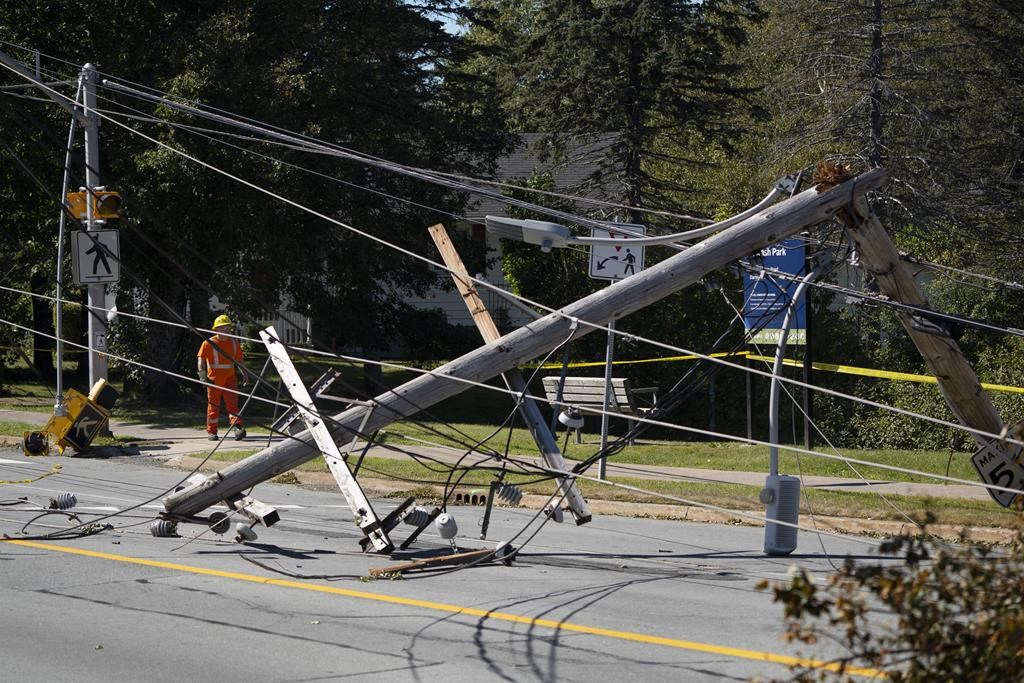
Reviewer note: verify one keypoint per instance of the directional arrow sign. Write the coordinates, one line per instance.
(97, 256)
(85, 428)
(613, 261)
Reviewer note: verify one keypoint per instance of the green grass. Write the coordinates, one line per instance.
(729, 456)
(18, 429)
(479, 412)
(955, 512)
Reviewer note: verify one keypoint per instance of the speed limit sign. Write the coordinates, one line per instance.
(997, 468)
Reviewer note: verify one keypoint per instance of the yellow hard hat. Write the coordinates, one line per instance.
(222, 321)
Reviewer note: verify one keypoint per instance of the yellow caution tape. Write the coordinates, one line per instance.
(826, 367)
(53, 470)
(882, 374)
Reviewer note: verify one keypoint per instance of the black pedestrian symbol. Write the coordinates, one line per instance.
(630, 259)
(101, 257)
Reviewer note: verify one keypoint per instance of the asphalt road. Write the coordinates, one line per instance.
(618, 598)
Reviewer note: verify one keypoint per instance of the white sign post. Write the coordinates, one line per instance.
(613, 261)
(97, 257)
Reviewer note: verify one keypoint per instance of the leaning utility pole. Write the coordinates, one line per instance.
(97, 291)
(997, 461)
(575, 320)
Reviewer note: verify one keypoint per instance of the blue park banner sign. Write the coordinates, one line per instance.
(767, 295)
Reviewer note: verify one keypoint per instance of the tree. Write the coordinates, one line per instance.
(924, 89)
(643, 77)
(379, 76)
(938, 612)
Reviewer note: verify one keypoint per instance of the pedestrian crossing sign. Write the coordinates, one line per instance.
(97, 256)
(617, 261)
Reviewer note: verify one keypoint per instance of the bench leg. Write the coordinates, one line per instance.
(579, 436)
(629, 425)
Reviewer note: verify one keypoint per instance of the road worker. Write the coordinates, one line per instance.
(218, 358)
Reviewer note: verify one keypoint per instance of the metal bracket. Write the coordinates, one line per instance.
(283, 424)
(391, 521)
(256, 511)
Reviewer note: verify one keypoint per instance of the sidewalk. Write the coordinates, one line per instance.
(175, 442)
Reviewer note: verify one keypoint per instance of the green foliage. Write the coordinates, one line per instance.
(935, 612)
(380, 76)
(632, 75)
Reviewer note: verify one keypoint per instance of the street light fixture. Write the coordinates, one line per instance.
(546, 235)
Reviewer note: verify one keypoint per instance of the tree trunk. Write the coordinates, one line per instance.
(876, 154)
(42, 323)
(634, 196)
(165, 346)
(82, 369)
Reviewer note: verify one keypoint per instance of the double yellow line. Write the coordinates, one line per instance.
(561, 626)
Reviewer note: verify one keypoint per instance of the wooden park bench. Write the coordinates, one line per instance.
(587, 394)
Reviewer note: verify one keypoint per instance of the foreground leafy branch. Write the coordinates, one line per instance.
(939, 613)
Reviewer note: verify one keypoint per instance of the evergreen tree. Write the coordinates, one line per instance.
(642, 77)
(925, 89)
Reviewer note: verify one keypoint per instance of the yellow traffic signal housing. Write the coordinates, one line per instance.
(85, 417)
(105, 205)
(76, 204)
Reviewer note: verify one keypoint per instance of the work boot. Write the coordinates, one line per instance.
(239, 433)
(213, 437)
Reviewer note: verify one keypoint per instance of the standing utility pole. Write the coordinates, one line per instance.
(97, 291)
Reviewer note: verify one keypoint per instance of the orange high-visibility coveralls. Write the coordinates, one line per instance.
(218, 353)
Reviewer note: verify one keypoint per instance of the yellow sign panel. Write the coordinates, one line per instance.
(77, 205)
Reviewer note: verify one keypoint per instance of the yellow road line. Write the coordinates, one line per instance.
(457, 609)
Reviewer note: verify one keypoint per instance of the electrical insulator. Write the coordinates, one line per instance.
(510, 493)
(163, 528)
(446, 526)
(417, 517)
(244, 532)
(554, 512)
(64, 501)
(571, 418)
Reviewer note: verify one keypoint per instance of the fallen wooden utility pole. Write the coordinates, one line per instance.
(531, 414)
(591, 313)
(996, 463)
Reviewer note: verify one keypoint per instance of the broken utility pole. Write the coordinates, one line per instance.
(996, 462)
(527, 405)
(591, 313)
